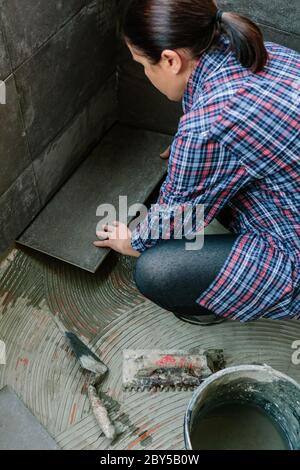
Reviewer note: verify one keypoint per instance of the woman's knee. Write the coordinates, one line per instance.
(159, 268)
(151, 273)
(143, 274)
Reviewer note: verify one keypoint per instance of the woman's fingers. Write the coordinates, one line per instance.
(166, 153)
(101, 234)
(107, 229)
(102, 244)
(118, 238)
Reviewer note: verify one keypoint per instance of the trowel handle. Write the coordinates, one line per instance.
(100, 413)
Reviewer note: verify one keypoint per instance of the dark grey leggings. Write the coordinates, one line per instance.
(173, 277)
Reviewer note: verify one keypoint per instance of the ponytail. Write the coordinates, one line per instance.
(246, 40)
(152, 26)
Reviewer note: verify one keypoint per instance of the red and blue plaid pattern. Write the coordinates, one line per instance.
(237, 151)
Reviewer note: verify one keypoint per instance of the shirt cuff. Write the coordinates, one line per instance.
(136, 242)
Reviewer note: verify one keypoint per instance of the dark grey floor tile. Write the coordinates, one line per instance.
(277, 13)
(62, 155)
(18, 206)
(29, 24)
(19, 429)
(57, 82)
(125, 163)
(14, 156)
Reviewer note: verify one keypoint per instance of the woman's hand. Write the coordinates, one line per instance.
(166, 154)
(118, 238)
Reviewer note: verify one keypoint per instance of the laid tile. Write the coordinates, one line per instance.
(125, 163)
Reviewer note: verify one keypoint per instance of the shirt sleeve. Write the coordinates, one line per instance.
(201, 172)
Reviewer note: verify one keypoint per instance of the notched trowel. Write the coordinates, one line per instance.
(89, 361)
(169, 370)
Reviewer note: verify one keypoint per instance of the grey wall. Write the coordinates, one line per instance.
(58, 61)
(278, 19)
(141, 103)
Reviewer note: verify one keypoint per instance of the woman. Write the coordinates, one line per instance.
(236, 152)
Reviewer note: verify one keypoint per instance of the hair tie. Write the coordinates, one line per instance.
(219, 16)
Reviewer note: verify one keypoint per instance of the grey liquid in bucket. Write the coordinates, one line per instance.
(244, 407)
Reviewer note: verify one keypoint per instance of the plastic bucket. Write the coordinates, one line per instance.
(274, 394)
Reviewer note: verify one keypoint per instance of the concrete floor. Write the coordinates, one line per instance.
(40, 297)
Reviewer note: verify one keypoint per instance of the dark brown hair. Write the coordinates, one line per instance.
(152, 26)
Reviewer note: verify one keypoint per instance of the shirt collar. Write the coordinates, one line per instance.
(207, 63)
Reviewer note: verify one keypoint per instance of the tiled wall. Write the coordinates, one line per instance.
(141, 103)
(278, 19)
(58, 61)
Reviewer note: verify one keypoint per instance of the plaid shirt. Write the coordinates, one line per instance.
(237, 152)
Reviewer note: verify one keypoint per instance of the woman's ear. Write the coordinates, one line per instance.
(171, 61)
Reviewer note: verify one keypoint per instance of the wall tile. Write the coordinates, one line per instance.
(14, 157)
(64, 74)
(4, 59)
(276, 13)
(289, 40)
(18, 206)
(28, 24)
(64, 153)
(140, 104)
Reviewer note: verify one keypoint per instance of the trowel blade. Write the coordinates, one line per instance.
(88, 360)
